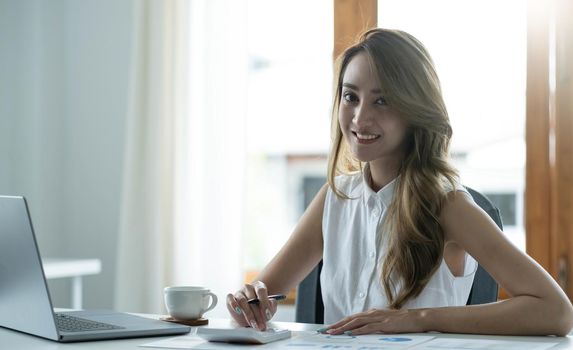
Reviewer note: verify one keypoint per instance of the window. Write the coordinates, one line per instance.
(479, 49)
(288, 117)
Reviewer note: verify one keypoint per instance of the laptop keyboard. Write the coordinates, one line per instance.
(67, 323)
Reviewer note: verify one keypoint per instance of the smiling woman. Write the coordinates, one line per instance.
(364, 116)
(387, 86)
(399, 236)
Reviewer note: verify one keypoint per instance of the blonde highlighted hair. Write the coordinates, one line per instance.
(411, 87)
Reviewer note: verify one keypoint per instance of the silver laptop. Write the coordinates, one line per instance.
(25, 303)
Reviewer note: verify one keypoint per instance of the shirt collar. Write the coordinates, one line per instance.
(384, 195)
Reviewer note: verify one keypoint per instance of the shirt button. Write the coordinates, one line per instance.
(375, 212)
(372, 254)
(361, 295)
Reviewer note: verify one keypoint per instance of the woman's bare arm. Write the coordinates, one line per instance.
(300, 254)
(537, 305)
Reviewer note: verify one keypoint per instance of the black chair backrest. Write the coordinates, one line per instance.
(310, 308)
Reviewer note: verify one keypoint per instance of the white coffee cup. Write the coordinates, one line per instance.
(188, 303)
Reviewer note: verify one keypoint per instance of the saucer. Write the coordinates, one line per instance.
(192, 322)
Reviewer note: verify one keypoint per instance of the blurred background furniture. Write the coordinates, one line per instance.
(74, 269)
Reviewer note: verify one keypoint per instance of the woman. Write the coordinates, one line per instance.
(398, 235)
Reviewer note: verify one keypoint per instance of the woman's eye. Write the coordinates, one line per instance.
(381, 101)
(348, 97)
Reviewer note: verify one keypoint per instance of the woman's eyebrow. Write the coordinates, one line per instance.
(354, 87)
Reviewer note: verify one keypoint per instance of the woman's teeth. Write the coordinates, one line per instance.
(366, 136)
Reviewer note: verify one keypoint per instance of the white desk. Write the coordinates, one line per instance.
(74, 269)
(14, 340)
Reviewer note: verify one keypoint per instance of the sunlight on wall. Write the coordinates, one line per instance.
(288, 113)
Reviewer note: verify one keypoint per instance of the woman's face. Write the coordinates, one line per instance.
(372, 129)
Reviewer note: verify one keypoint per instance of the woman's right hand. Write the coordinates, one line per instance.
(252, 315)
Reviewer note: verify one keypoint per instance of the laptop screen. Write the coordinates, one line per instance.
(25, 303)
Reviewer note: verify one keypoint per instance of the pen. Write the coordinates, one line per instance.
(275, 297)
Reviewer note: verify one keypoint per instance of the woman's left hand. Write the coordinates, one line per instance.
(377, 321)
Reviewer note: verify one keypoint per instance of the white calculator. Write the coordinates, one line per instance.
(243, 335)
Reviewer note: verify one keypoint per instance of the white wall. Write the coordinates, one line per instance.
(64, 67)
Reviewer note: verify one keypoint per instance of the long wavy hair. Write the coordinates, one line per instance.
(410, 86)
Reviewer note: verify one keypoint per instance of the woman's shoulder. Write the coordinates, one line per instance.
(457, 197)
(454, 186)
(458, 206)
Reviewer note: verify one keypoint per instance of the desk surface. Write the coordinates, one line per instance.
(15, 340)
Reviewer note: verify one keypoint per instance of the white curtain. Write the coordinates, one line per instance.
(146, 232)
(213, 176)
(181, 212)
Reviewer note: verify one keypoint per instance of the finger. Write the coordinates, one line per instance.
(326, 329)
(264, 305)
(350, 326)
(233, 306)
(340, 323)
(260, 318)
(259, 311)
(252, 312)
(273, 305)
(346, 320)
(235, 310)
(247, 310)
(249, 291)
(257, 289)
(256, 284)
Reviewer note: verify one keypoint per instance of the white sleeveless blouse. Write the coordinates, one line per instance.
(354, 250)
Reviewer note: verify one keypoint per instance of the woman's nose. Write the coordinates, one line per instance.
(362, 115)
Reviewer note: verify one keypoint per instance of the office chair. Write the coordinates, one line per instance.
(310, 308)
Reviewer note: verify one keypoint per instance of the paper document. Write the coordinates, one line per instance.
(313, 340)
(483, 344)
(303, 340)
